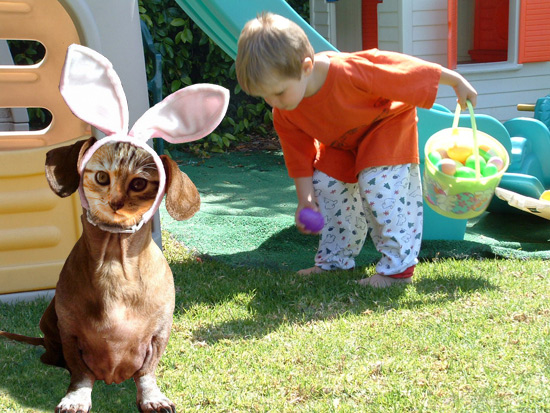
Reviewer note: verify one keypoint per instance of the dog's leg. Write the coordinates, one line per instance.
(149, 397)
(52, 341)
(79, 396)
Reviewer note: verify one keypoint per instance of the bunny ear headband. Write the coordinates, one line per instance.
(93, 91)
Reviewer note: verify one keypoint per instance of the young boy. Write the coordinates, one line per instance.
(348, 129)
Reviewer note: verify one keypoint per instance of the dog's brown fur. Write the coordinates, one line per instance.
(111, 315)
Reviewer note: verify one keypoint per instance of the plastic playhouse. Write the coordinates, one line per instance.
(38, 229)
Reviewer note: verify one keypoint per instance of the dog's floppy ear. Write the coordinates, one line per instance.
(62, 167)
(182, 197)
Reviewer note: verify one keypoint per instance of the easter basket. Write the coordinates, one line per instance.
(463, 167)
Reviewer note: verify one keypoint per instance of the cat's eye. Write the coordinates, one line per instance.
(102, 178)
(138, 184)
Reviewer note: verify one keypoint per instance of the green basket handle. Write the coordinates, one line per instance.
(474, 133)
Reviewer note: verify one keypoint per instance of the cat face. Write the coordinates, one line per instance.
(120, 182)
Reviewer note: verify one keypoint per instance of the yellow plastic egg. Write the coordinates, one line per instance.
(459, 153)
(545, 196)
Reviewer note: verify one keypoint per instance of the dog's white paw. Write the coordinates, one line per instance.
(149, 397)
(77, 401)
(161, 404)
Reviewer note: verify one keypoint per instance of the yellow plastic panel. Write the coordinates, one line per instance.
(37, 228)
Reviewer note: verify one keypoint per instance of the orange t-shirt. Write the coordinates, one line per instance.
(364, 115)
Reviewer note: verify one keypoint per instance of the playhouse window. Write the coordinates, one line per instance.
(25, 52)
(511, 31)
(482, 31)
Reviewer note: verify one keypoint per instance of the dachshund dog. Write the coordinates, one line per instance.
(111, 316)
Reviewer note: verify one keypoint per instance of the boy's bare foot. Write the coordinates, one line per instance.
(313, 270)
(379, 281)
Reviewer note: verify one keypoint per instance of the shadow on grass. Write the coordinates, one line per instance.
(22, 375)
(273, 298)
(279, 295)
(37, 386)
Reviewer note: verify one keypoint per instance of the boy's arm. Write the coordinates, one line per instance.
(464, 91)
(306, 199)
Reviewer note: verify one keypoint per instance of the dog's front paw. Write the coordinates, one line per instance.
(79, 396)
(149, 397)
(160, 404)
(74, 402)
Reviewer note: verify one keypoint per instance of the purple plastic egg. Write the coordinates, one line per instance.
(313, 221)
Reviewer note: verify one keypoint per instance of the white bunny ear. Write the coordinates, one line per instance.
(184, 116)
(92, 90)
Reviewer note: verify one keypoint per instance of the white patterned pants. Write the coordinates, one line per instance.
(385, 202)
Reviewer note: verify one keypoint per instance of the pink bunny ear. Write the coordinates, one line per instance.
(184, 116)
(92, 90)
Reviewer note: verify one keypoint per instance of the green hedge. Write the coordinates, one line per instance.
(189, 57)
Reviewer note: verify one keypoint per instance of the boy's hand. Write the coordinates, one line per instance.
(301, 227)
(306, 199)
(463, 89)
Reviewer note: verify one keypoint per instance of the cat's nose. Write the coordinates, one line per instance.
(116, 203)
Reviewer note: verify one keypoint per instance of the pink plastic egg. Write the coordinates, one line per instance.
(447, 166)
(497, 161)
(443, 153)
(313, 221)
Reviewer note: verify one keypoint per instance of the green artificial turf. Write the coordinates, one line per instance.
(247, 219)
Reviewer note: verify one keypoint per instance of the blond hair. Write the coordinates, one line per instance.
(270, 45)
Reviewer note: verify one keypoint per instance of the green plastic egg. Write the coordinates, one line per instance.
(471, 162)
(434, 157)
(489, 170)
(465, 172)
(484, 154)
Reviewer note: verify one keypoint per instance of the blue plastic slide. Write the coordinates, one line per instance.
(223, 20)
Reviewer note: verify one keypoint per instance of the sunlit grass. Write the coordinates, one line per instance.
(467, 335)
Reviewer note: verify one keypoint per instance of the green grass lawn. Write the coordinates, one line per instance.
(467, 335)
